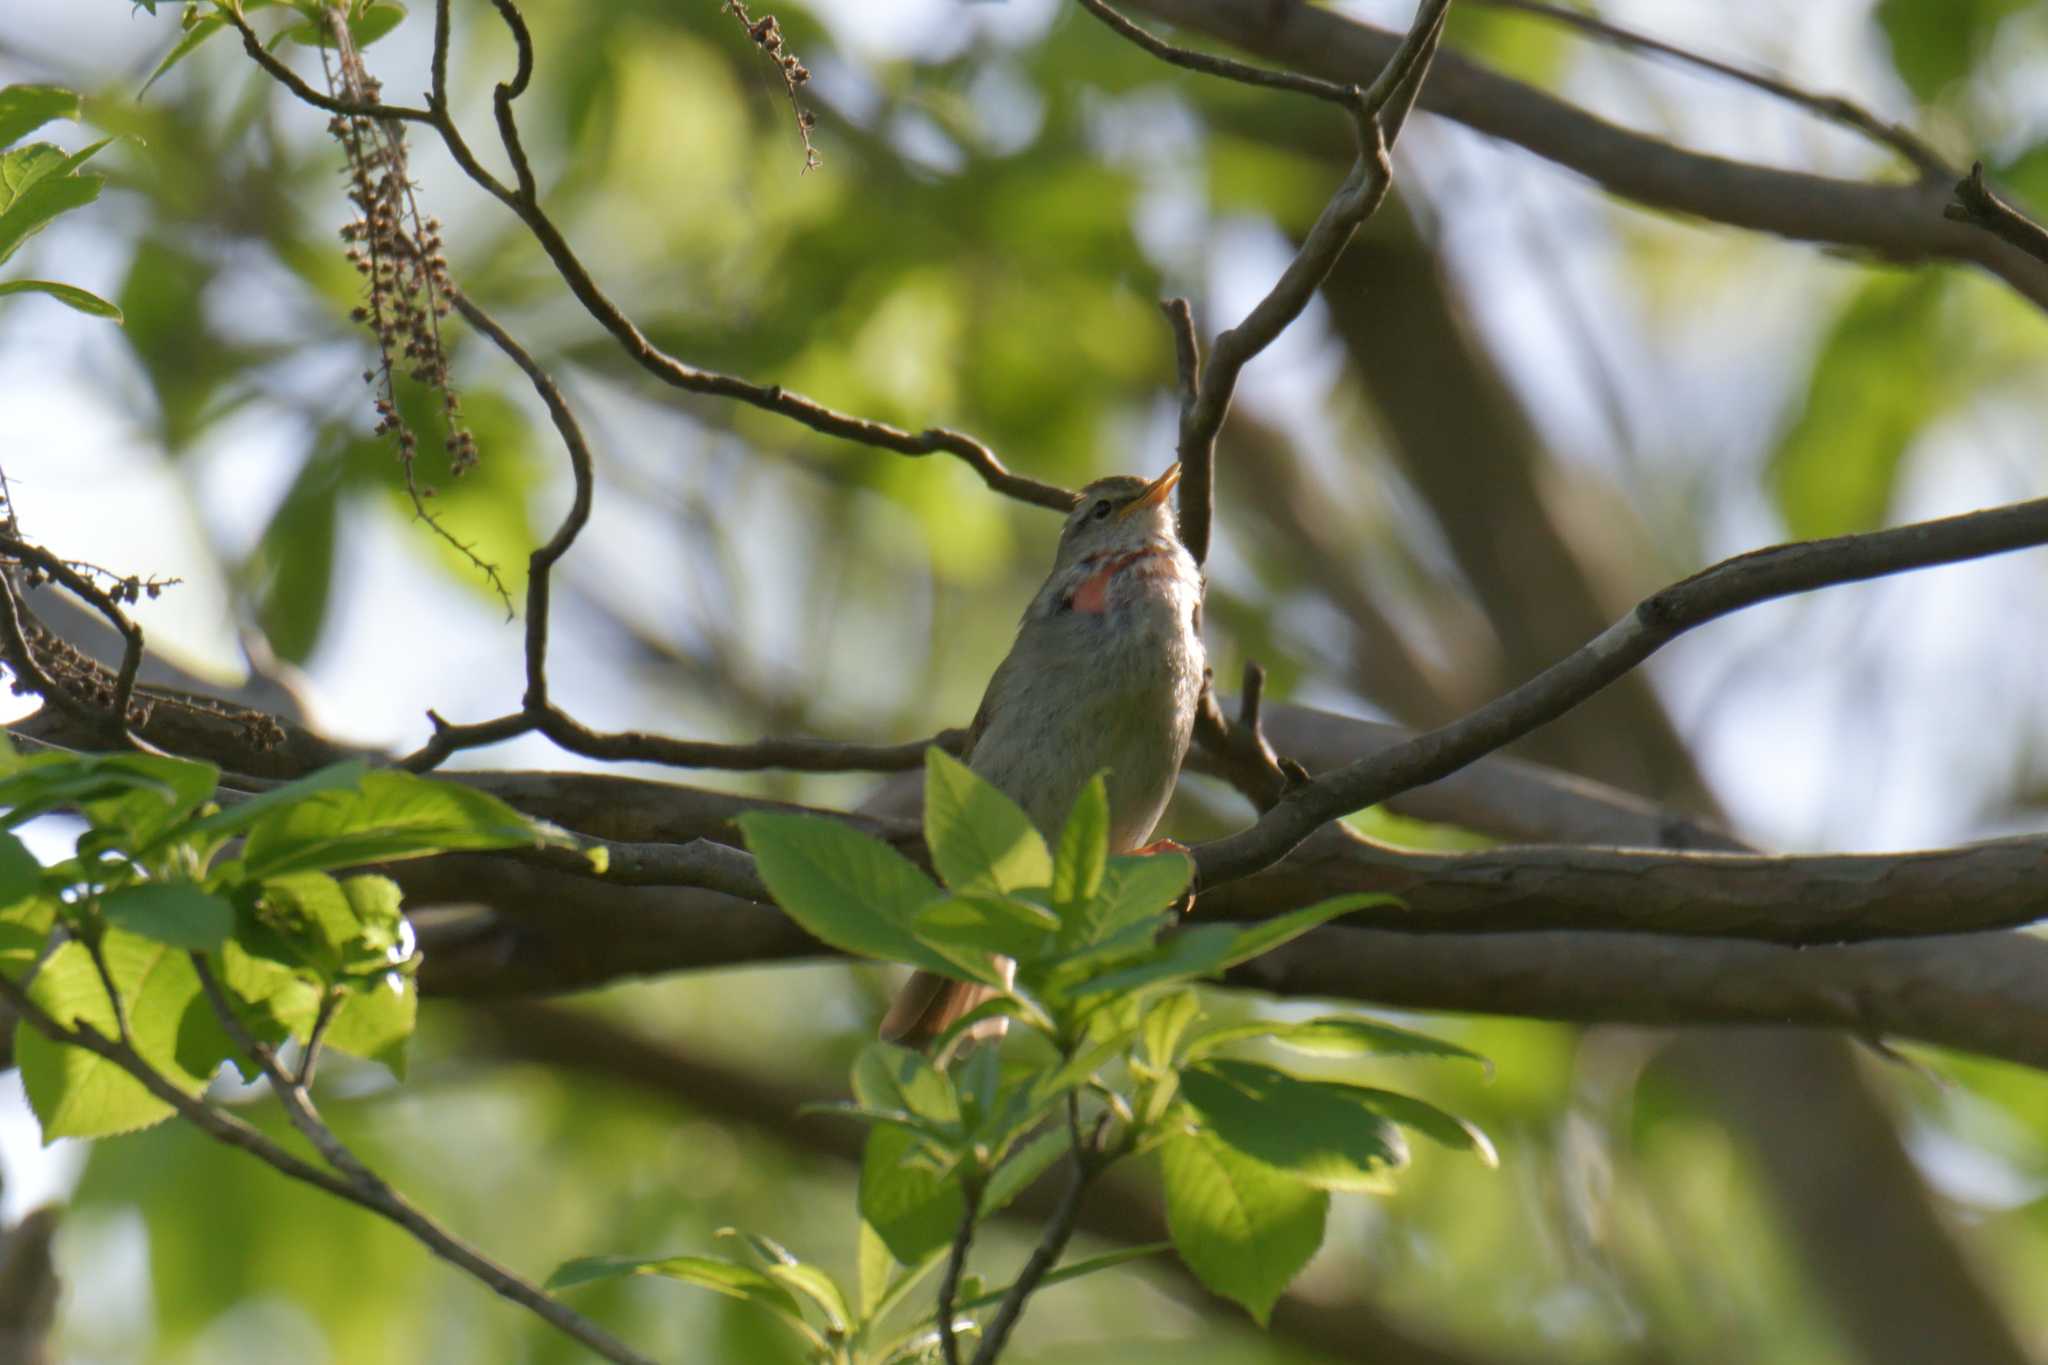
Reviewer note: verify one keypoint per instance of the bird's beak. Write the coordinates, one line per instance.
(1154, 494)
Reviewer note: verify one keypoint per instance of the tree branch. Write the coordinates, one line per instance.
(1729, 586)
(1976, 204)
(1896, 222)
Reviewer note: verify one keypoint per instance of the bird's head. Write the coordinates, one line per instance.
(1118, 514)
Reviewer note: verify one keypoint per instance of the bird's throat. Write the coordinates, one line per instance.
(1092, 596)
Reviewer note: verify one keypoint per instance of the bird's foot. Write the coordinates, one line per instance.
(1186, 904)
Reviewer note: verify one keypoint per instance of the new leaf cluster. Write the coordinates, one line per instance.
(165, 883)
(1105, 1058)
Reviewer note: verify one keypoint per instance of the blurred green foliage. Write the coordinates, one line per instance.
(983, 248)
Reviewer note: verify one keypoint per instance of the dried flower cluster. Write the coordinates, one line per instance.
(400, 255)
(767, 35)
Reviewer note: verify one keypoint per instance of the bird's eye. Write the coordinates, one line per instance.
(1100, 510)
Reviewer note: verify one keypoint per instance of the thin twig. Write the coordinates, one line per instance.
(1379, 113)
(1917, 151)
(374, 1193)
(1729, 586)
(1210, 64)
(956, 1263)
(1088, 1163)
(1976, 203)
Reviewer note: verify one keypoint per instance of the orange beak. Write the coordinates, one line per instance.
(1155, 492)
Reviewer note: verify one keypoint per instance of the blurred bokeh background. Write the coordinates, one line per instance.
(1520, 405)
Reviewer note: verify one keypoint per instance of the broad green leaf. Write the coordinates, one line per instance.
(845, 888)
(1132, 890)
(1267, 935)
(1420, 1116)
(1320, 1132)
(392, 815)
(1243, 1228)
(234, 819)
(1024, 1165)
(171, 912)
(25, 926)
(878, 1271)
(20, 874)
(173, 788)
(1166, 1020)
(77, 1094)
(1186, 956)
(291, 572)
(31, 211)
(70, 295)
(886, 1076)
(912, 1208)
(47, 782)
(725, 1277)
(786, 1269)
(1881, 375)
(1350, 1036)
(981, 841)
(1083, 852)
(994, 924)
(25, 108)
(376, 1021)
(1936, 43)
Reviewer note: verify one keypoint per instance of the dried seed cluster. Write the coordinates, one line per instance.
(767, 35)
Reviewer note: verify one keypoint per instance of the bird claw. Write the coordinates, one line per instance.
(1186, 904)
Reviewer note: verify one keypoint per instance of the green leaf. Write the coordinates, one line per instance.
(171, 912)
(376, 1020)
(1350, 1036)
(845, 888)
(992, 924)
(170, 790)
(196, 33)
(31, 211)
(70, 295)
(291, 572)
(1936, 43)
(20, 874)
(1083, 854)
(786, 1269)
(1420, 1116)
(1267, 935)
(878, 1270)
(1024, 1165)
(25, 108)
(725, 1277)
(77, 1094)
(25, 926)
(912, 1208)
(1094, 1265)
(1320, 1132)
(886, 1076)
(1243, 1228)
(392, 815)
(982, 842)
(373, 23)
(1166, 1020)
(234, 819)
(1880, 377)
(1132, 890)
(1187, 956)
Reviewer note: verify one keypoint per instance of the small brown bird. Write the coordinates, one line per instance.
(1105, 674)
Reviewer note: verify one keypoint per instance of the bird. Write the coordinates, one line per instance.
(1106, 674)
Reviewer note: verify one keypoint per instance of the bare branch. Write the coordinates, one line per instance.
(1743, 581)
(1916, 151)
(1211, 65)
(1379, 113)
(1897, 222)
(373, 1192)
